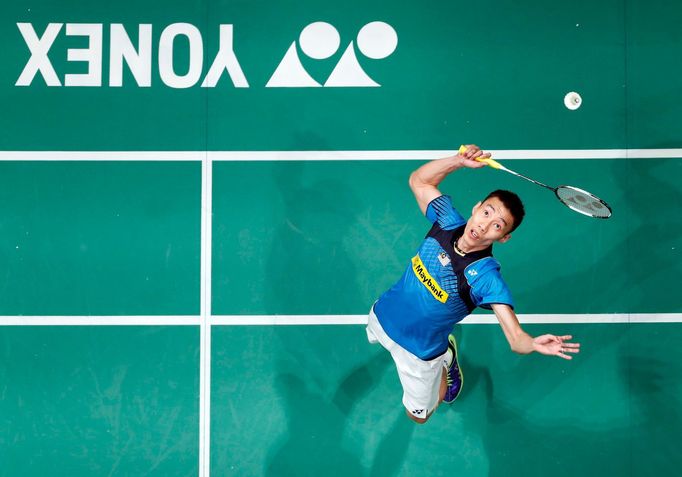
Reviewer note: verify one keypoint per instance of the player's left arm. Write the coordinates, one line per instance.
(522, 343)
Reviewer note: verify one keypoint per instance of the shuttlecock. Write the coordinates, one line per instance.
(572, 100)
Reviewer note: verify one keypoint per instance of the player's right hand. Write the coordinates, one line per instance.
(468, 155)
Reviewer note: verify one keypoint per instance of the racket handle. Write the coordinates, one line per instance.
(490, 161)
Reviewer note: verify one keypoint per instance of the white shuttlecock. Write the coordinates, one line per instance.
(572, 100)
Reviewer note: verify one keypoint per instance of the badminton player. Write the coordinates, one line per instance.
(452, 273)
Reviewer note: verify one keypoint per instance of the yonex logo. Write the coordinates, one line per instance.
(472, 273)
(321, 40)
(418, 411)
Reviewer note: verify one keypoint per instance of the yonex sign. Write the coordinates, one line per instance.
(319, 40)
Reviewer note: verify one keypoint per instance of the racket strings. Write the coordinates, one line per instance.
(583, 202)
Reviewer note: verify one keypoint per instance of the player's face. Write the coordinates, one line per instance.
(490, 222)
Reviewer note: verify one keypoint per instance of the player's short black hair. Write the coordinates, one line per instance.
(512, 202)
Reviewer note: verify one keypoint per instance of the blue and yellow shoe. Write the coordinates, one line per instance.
(454, 376)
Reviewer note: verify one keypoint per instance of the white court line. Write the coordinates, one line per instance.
(595, 318)
(102, 155)
(124, 320)
(589, 318)
(285, 320)
(502, 154)
(205, 343)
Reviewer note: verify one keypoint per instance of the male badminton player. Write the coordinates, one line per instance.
(452, 273)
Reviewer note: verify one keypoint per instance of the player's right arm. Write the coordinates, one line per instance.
(522, 343)
(425, 180)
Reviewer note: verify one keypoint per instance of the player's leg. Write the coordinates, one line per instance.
(422, 381)
(405, 365)
(442, 391)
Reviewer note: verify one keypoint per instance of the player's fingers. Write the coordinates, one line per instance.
(566, 349)
(562, 355)
(565, 337)
(472, 149)
(476, 156)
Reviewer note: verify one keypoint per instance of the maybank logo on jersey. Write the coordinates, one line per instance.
(431, 285)
(317, 41)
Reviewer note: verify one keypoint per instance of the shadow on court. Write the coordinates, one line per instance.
(515, 441)
(317, 441)
(392, 448)
(315, 431)
(656, 419)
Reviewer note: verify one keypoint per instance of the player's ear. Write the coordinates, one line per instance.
(473, 210)
(505, 238)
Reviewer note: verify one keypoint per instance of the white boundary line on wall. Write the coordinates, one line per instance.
(502, 154)
(287, 320)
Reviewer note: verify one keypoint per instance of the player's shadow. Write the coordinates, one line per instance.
(655, 411)
(392, 448)
(361, 381)
(315, 429)
(317, 439)
(515, 441)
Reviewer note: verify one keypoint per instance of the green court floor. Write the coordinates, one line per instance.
(301, 400)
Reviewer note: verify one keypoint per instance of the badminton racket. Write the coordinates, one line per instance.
(575, 199)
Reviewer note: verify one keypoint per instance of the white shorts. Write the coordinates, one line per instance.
(420, 379)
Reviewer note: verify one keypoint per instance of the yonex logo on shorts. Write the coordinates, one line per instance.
(317, 41)
(426, 279)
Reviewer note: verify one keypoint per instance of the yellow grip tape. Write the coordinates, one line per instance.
(491, 162)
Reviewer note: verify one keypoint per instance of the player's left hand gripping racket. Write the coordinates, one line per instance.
(575, 199)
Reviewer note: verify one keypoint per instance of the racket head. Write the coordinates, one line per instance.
(583, 202)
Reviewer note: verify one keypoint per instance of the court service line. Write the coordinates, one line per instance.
(594, 318)
(286, 320)
(359, 155)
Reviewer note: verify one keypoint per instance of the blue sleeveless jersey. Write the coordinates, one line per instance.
(439, 287)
